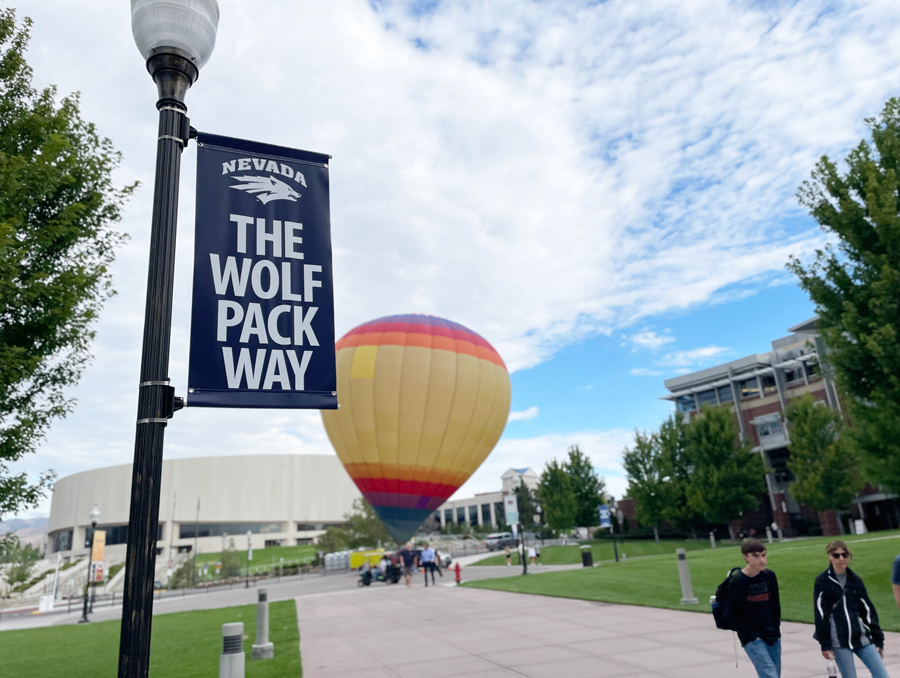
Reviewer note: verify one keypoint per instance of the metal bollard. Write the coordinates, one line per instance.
(262, 648)
(684, 574)
(712, 540)
(231, 661)
(769, 534)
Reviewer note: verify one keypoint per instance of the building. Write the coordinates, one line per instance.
(279, 499)
(757, 388)
(485, 510)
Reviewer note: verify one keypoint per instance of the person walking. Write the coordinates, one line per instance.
(427, 562)
(753, 610)
(846, 620)
(408, 563)
(508, 554)
(532, 554)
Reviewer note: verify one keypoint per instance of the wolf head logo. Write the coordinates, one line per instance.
(267, 188)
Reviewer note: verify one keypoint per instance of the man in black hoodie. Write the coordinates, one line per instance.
(753, 609)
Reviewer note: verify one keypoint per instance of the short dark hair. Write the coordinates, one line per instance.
(751, 545)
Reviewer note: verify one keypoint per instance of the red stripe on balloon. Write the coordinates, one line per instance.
(398, 486)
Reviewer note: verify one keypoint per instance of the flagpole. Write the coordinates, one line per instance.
(171, 535)
(196, 534)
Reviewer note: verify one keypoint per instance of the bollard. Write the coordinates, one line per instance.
(712, 540)
(231, 661)
(769, 534)
(457, 573)
(262, 648)
(684, 574)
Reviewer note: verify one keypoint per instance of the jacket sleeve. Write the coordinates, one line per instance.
(822, 614)
(868, 614)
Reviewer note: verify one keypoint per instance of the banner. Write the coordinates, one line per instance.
(262, 314)
(604, 516)
(99, 546)
(511, 510)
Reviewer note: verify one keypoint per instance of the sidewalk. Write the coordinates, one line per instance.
(446, 632)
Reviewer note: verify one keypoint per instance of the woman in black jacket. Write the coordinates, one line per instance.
(846, 621)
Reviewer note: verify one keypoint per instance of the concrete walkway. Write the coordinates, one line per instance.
(446, 632)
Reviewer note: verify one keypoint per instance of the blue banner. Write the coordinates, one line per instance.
(262, 316)
(604, 516)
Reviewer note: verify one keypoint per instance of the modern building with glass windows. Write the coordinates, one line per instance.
(206, 502)
(485, 510)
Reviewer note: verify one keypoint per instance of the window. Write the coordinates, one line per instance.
(768, 384)
(749, 388)
(498, 512)
(307, 527)
(460, 515)
(685, 403)
(62, 541)
(771, 428)
(189, 530)
(273, 542)
(707, 398)
(725, 394)
(473, 516)
(793, 374)
(486, 514)
(448, 516)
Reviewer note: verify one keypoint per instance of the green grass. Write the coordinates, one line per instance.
(183, 645)
(262, 558)
(603, 550)
(653, 580)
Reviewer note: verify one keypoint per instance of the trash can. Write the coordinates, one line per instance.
(587, 557)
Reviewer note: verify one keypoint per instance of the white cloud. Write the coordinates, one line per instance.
(692, 357)
(543, 172)
(530, 413)
(644, 372)
(650, 340)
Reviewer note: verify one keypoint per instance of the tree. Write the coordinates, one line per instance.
(644, 466)
(587, 486)
(364, 527)
(525, 500)
(676, 468)
(726, 477)
(855, 286)
(231, 561)
(334, 540)
(57, 210)
(557, 497)
(825, 465)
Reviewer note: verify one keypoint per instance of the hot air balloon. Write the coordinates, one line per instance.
(422, 402)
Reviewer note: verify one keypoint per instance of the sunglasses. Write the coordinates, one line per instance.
(839, 555)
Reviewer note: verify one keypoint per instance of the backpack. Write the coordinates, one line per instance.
(718, 602)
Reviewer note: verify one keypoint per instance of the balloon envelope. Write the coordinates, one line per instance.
(422, 402)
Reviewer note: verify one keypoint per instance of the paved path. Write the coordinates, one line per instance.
(447, 632)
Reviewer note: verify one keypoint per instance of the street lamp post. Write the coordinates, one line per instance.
(524, 552)
(176, 38)
(249, 558)
(95, 516)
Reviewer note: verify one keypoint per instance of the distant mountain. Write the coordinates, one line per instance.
(16, 524)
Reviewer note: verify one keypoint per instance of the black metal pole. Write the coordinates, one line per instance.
(173, 74)
(84, 615)
(524, 555)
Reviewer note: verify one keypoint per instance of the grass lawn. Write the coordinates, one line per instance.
(603, 550)
(653, 580)
(263, 558)
(184, 645)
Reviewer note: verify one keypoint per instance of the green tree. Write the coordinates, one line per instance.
(676, 468)
(587, 486)
(335, 539)
(364, 527)
(726, 477)
(644, 465)
(825, 465)
(231, 561)
(525, 499)
(57, 210)
(557, 497)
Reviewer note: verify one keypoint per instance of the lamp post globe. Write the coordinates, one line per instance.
(94, 518)
(176, 39)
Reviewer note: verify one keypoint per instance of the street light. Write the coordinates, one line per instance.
(249, 558)
(176, 38)
(95, 516)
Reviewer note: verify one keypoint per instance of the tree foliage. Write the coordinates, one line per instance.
(855, 286)
(824, 464)
(646, 483)
(557, 497)
(364, 527)
(57, 210)
(587, 486)
(525, 500)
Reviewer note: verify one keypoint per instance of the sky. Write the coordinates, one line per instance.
(605, 191)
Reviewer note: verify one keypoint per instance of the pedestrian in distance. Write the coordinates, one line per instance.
(532, 554)
(537, 553)
(846, 620)
(408, 563)
(895, 581)
(753, 610)
(427, 560)
(508, 554)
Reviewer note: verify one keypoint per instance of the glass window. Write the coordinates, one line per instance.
(749, 388)
(768, 384)
(685, 403)
(771, 428)
(473, 515)
(725, 394)
(486, 514)
(448, 516)
(792, 374)
(498, 512)
(460, 515)
(62, 541)
(303, 527)
(707, 398)
(188, 530)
